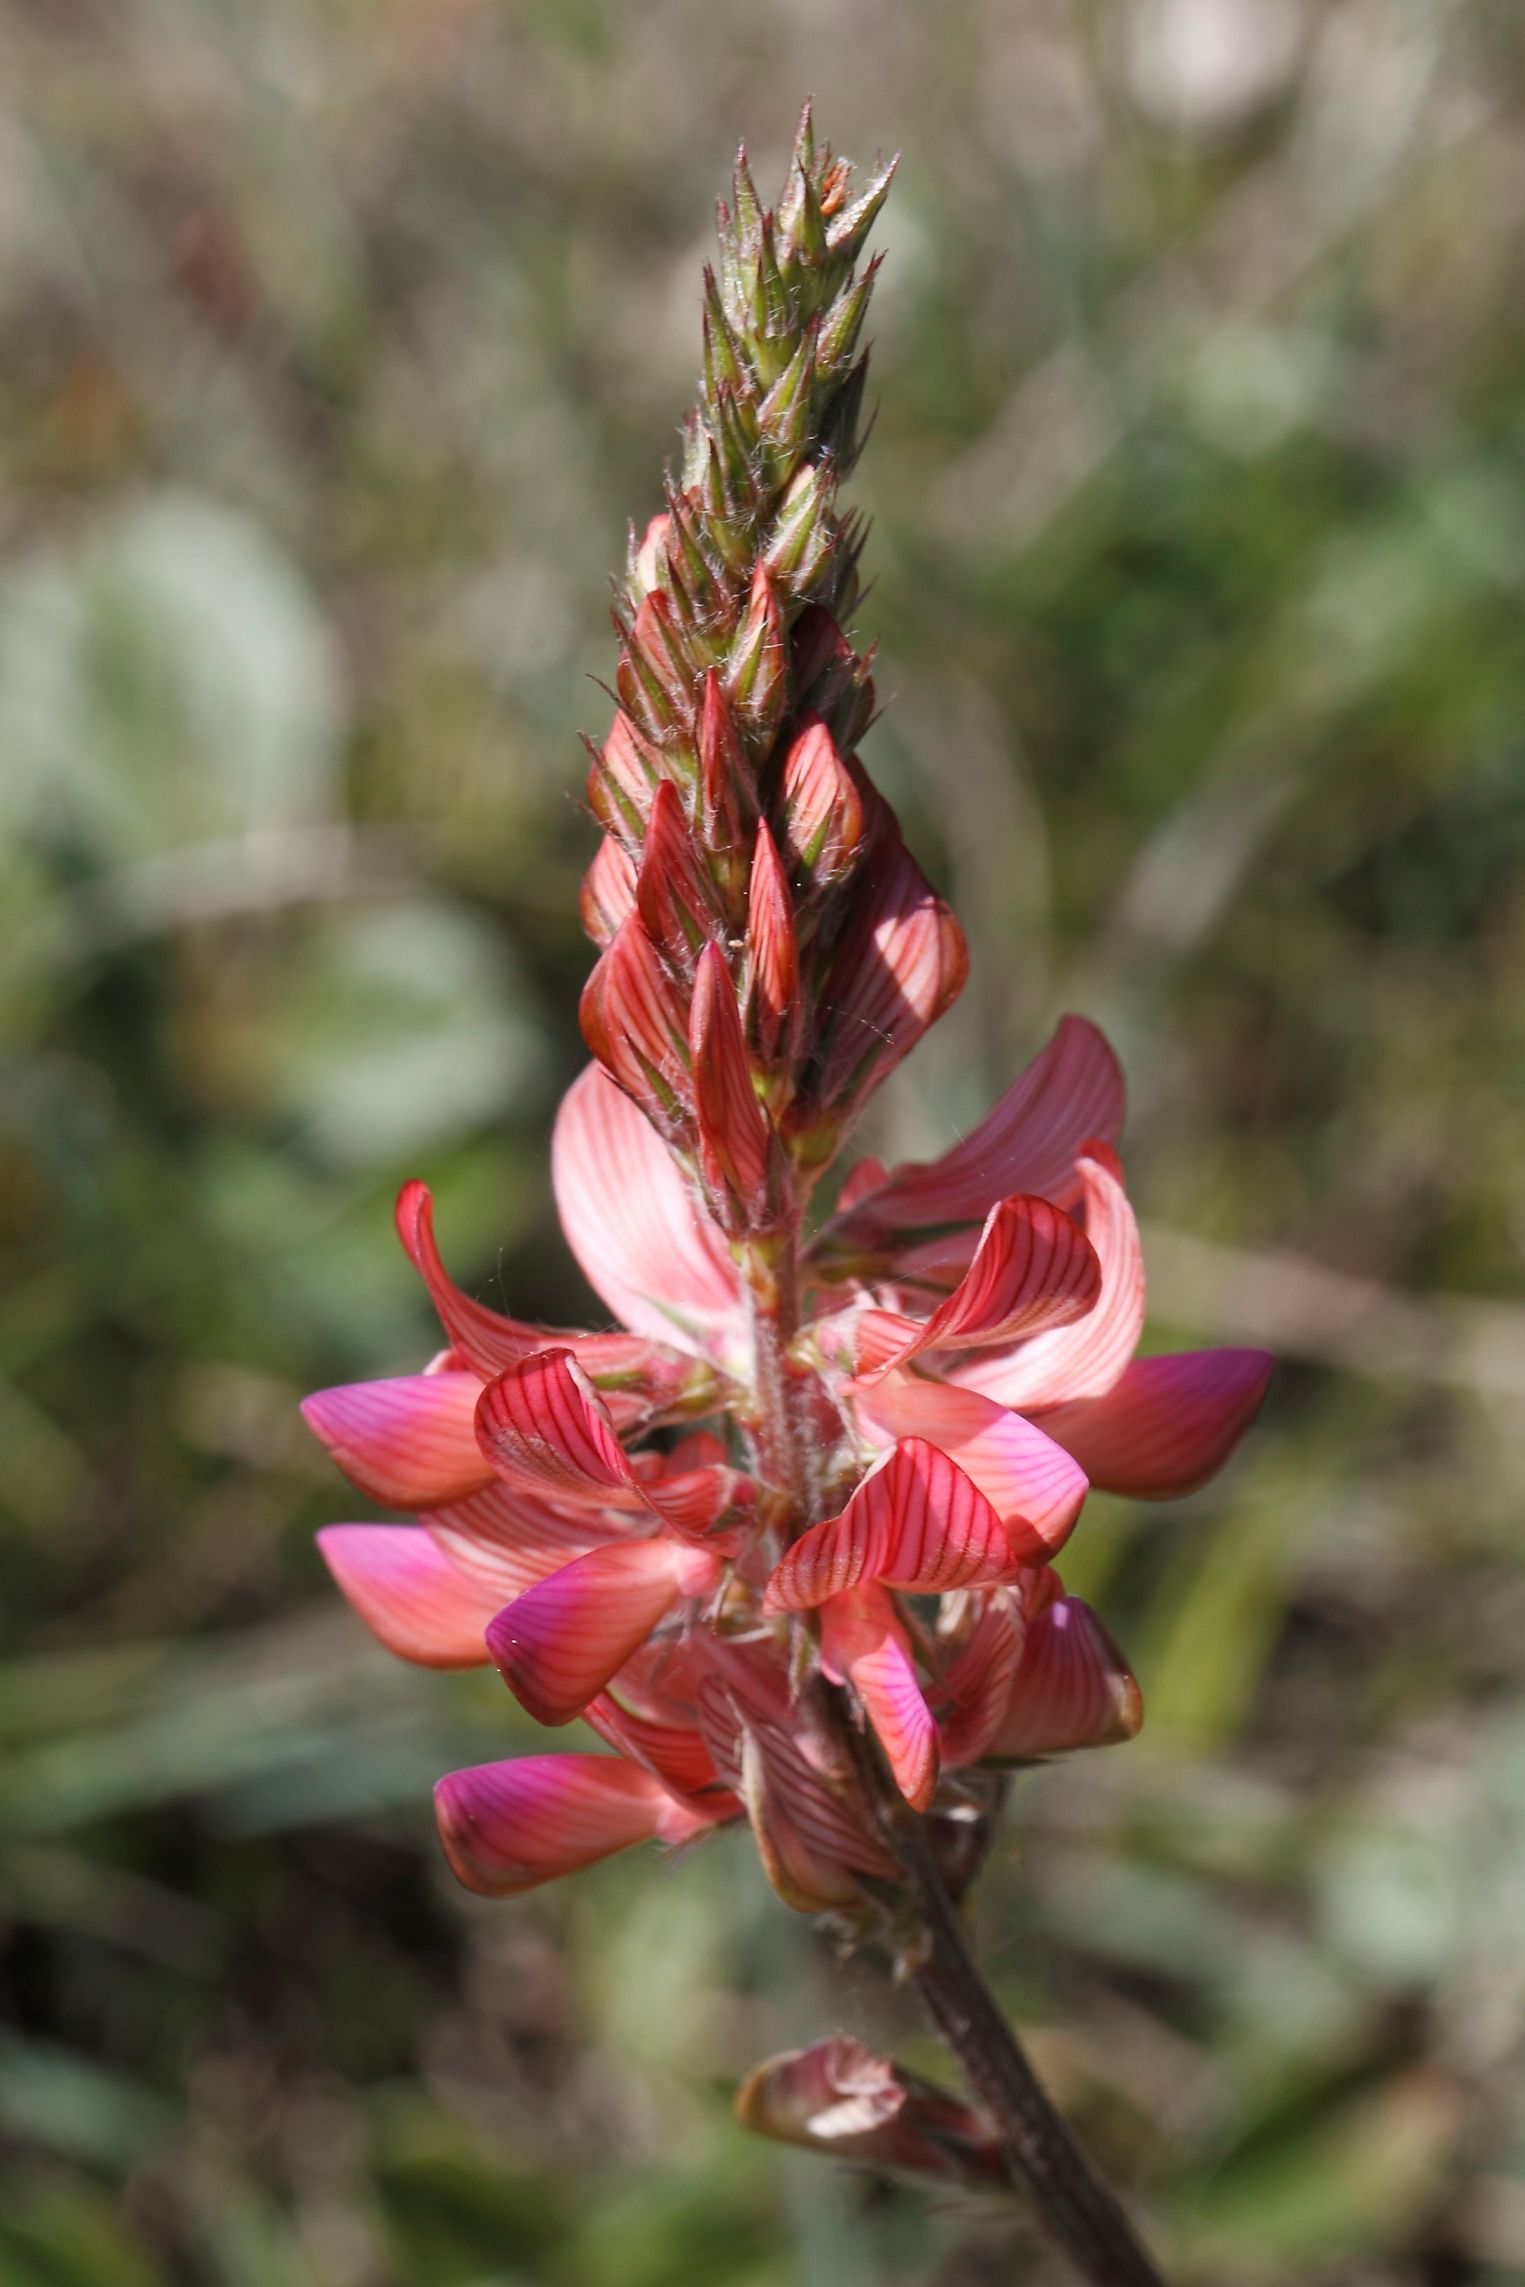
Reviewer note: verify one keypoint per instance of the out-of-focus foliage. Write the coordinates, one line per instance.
(335, 346)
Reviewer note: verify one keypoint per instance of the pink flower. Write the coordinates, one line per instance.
(961, 1383)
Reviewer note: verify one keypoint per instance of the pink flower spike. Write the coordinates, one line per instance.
(410, 1595)
(1033, 1269)
(1072, 1091)
(409, 1442)
(562, 1641)
(863, 1643)
(507, 1827)
(1083, 1360)
(1034, 1485)
(1168, 1425)
(918, 1523)
(643, 1244)
(1072, 1688)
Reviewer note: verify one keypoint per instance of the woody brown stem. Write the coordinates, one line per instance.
(1074, 2206)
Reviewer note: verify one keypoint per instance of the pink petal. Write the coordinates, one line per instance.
(1032, 1483)
(545, 1432)
(1083, 1360)
(1070, 1092)
(977, 1686)
(410, 1442)
(562, 1641)
(1168, 1425)
(734, 1131)
(821, 810)
(643, 1244)
(774, 1008)
(635, 1023)
(863, 1642)
(608, 891)
(918, 1523)
(1072, 1689)
(901, 963)
(506, 1537)
(674, 896)
(508, 1827)
(674, 1752)
(485, 1339)
(409, 1594)
(1033, 1268)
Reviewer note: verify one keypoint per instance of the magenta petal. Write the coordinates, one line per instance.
(1071, 1092)
(410, 1595)
(918, 1523)
(563, 1640)
(1034, 1268)
(507, 1827)
(1072, 1688)
(410, 1442)
(1168, 1425)
(1034, 1485)
(485, 1338)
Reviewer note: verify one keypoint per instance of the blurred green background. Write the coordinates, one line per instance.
(336, 344)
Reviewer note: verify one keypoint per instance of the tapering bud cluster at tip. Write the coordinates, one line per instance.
(770, 949)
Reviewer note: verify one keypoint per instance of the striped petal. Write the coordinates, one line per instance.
(485, 1339)
(918, 1523)
(1035, 1487)
(608, 891)
(975, 1689)
(544, 1432)
(1168, 1425)
(562, 1641)
(547, 1433)
(409, 1442)
(1072, 1688)
(1085, 1359)
(507, 1827)
(734, 1131)
(863, 1643)
(409, 1594)
(1033, 1269)
(643, 1244)
(506, 1537)
(1071, 1092)
(901, 963)
(635, 1024)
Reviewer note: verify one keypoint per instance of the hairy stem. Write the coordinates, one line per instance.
(1073, 2204)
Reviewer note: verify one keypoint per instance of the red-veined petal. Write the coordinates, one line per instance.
(559, 1644)
(1072, 1091)
(918, 1523)
(1033, 1269)
(1034, 1485)
(863, 1642)
(409, 1594)
(410, 1441)
(1167, 1425)
(900, 965)
(1072, 1688)
(507, 1827)
(608, 891)
(1083, 1360)
(644, 1244)
(733, 1128)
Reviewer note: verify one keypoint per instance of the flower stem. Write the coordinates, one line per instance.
(1075, 2207)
